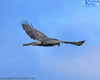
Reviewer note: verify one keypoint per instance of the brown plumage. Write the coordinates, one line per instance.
(42, 40)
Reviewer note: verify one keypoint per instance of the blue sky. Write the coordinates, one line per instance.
(68, 20)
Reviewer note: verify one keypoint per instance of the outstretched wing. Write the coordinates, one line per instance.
(74, 43)
(33, 33)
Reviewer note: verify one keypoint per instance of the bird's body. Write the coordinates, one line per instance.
(42, 40)
(46, 42)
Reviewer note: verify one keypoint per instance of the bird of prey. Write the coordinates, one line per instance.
(41, 39)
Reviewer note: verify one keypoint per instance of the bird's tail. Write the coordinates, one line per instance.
(79, 43)
(28, 44)
(37, 43)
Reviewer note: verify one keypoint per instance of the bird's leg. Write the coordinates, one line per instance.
(59, 45)
(42, 42)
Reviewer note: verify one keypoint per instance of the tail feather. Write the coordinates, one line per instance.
(74, 43)
(33, 43)
(26, 44)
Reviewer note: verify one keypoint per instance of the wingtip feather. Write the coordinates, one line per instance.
(80, 43)
(25, 22)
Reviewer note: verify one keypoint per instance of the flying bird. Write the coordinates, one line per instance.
(41, 39)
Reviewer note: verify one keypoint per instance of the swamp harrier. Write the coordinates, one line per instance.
(41, 39)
